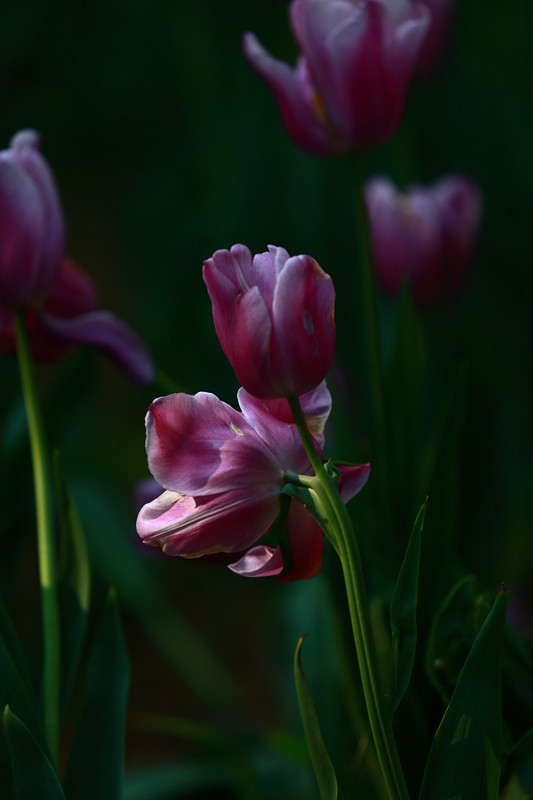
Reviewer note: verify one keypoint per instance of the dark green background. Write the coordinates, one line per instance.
(166, 146)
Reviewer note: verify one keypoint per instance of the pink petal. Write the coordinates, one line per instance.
(106, 332)
(199, 445)
(307, 543)
(354, 477)
(21, 231)
(303, 343)
(241, 318)
(273, 421)
(259, 562)
(296, 99)
(24, 150)
(197, 526)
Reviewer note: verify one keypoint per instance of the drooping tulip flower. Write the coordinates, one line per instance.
(425, 237)
(223, 472)
(348, 89)
(56, 296)
(274, 317)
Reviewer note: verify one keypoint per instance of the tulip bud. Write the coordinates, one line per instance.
(425, 237)
(31, 223)
(349, 86)
(274, 317)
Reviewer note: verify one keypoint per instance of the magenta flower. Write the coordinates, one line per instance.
(58, 299)
(425, 237)
(349, 86)
(223, 472)
(274, 317)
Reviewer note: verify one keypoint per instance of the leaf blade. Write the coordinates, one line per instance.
(470, 730)
(403, 612)
(33, 773)
(323, 768)
(96, 764)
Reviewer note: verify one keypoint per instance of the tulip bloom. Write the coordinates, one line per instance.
(425, 237)
(349, 86)
(274, 317)
(435, 41)
(223, 472)
(57, 298)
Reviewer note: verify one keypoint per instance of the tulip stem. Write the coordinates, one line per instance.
(373, 334)
(350, 557)
(45, 539)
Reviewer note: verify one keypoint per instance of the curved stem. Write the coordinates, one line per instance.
(45, 539)
(348, 550)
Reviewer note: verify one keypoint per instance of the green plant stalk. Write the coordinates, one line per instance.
(373, 333)
(348, 551)
(45, 539)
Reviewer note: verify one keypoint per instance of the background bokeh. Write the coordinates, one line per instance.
(166, 146)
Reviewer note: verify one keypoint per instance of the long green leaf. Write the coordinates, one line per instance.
(33, 773)
(324, 772)
(453, 631)
(403, 613)
(74, 580)
(520, 784)
(96, 763)
(15, 686)
(464, 761)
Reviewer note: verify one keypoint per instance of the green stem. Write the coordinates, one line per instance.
(348, 550)
(373, 334)
(45, 539)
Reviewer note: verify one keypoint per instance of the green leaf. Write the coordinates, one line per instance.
(520, 784)
(96, 763)
(403, 613)
(323, 768)
(15, 684)
(74, 580)
(34, 775)
(464, 761)
(452, 633)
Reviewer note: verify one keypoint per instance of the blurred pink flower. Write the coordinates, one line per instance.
(348, 89)
(57, 297)
(223, 472)
(425, 237)
(436, 39)
(274, 317)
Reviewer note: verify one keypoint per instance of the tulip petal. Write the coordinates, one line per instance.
(259, 562)
(24, 150)
(353, 479)
(105, 331)
(199, 445)
(273, 421)
(307, 544)
(21, 231)
(303, 343)
(197, 526)
(241, 318)
(296, 98)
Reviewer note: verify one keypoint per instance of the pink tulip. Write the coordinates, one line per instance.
(223, 472)
(436, 39)
(349, 86)
(425, 237)
(274, 317)
(58, 299)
